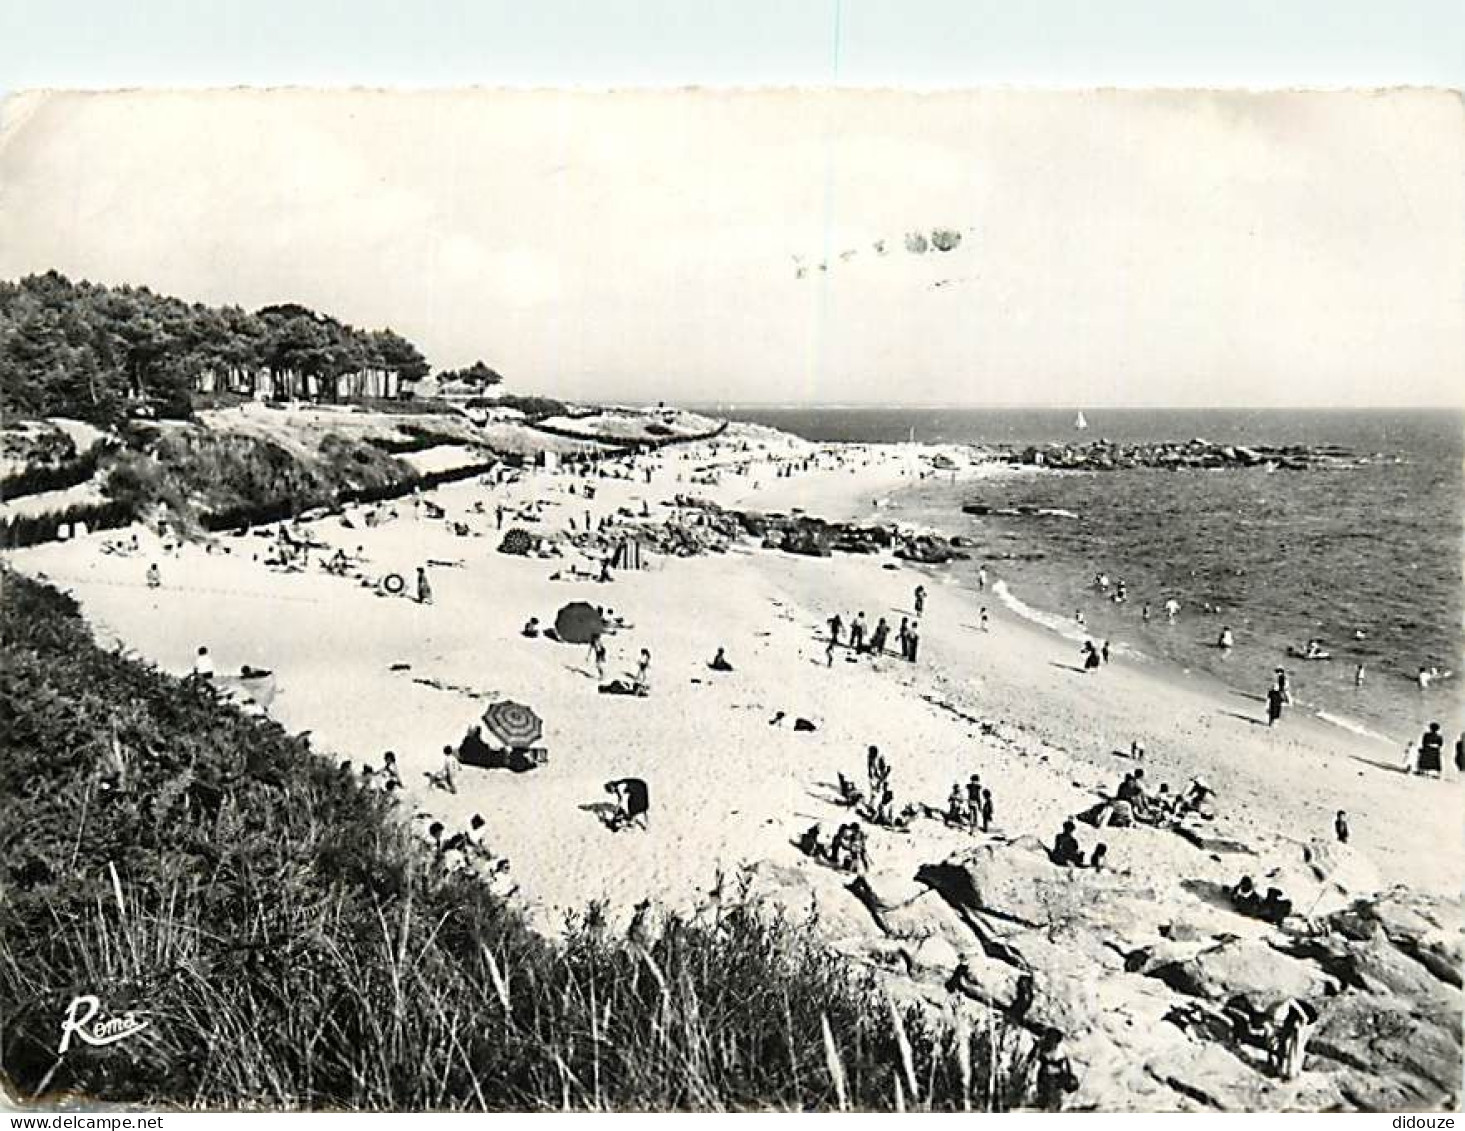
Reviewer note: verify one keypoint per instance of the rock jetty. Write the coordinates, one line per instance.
(1105, 455)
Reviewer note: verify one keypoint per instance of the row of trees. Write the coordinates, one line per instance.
(92, 351)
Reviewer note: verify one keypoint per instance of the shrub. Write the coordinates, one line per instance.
(293, 946)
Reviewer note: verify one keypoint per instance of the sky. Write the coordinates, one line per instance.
(1117, 247)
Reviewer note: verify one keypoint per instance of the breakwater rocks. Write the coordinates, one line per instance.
(814, 537)
(1103, 455)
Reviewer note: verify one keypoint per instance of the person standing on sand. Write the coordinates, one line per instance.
(597, 655)
(643, 670)
(1275, 698)
(154, 577)
(1460, 753)
(1283, 686)
(1104, 652)
(986, 809)
(920, 599)
(1340, 826)
(836, 626)
(857, 632)
(424, 590)
(913, 642)
(1431, 752)
(905, 638)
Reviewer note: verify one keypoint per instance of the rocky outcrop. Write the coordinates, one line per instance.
(1103, 455)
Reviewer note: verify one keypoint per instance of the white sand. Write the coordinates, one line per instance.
(727, 787)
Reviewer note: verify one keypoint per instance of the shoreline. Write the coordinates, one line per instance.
(1397, 728)
(734, 784)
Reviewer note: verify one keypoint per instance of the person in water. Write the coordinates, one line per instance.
(1226, 640)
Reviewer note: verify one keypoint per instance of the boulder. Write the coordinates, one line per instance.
(1427, 928)
(1244, 966)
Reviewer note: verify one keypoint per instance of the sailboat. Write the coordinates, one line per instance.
(1080, 423)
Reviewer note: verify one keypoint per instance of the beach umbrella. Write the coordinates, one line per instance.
(516, 541)
(513, 724)
(578, 623)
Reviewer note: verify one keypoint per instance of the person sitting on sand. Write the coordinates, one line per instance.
(1199, 799)
(1099, 858)
(473, 838)
(154, 576)
(444, 778)
(885, 807)
(1091, 658)
(1244, 896)
(957, 812)
(809, 841)
(633, 802)
(1274, 906)
(531, 628)
(719, 662)
(203, 664)
(849, 793)
(839, 848)
(1066, 851)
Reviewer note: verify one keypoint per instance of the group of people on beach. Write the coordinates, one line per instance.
(909, 634)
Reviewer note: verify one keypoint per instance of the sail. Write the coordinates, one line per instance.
(1080, 422)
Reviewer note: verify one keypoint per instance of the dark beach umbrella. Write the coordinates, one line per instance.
(516, 541)
(578, 623)
(513, 724)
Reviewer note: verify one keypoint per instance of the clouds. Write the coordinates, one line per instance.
(1113, 247)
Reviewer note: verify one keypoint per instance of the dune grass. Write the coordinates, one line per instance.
(292, 945)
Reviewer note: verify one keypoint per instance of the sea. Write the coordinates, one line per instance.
(1365, 555)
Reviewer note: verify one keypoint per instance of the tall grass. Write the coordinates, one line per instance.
(291, 945)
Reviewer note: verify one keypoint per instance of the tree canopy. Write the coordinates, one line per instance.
(88, 350)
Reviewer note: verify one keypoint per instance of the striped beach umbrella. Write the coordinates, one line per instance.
(513, 724)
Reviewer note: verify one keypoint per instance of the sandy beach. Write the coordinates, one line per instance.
(733, 783)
